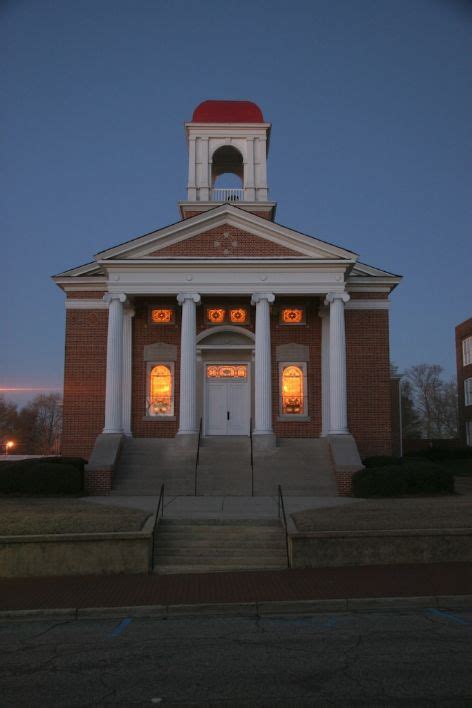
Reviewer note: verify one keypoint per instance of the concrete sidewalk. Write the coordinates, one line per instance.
(436, 584)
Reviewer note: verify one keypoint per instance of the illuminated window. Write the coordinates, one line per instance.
(292, 315)
(293, 389)
(238, 315)
(162, 315)
(215, 315)
(227, 371)
(161, 390)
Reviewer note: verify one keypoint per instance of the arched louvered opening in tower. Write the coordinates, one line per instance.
(227, 175)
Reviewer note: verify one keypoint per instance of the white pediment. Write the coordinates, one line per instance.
(302, 246)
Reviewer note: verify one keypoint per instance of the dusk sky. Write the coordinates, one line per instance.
(371, 147)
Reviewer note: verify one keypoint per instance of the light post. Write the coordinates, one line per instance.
(8, 446)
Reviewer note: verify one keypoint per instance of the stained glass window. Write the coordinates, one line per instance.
(215, 315)
(238, 315)
(161, 391)
(162, 315)
(227, 371)
(292, 315)
(293, 390)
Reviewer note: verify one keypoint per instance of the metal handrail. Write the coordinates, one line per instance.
(160, 508)
(252, 458)
(284, 520)
(197, 457)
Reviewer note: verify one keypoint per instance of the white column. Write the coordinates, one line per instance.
(324, 314)
(205, 167)
(249, 191)
(192, 158)
(260, 147)
(263, 369)
(188, 364)
(113, 391)
(337, 364)
(127, 368)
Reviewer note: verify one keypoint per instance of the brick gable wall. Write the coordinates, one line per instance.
(84, 380)
(225, 241)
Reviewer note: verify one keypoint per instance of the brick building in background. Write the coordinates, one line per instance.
(228, 318)
(464, 379)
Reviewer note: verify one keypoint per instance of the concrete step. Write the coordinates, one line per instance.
(168, 569)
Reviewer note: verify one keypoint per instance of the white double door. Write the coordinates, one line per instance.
(227, 399)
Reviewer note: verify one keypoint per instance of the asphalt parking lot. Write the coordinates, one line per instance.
(410, 658)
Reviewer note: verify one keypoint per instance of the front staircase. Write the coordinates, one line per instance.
(214, 545)
(302, 466)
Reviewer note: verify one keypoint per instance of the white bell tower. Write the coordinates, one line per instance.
(227, 138)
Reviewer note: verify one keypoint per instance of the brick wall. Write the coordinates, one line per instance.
(368, 380)
(84, 380)
(463, 331)
(214, 243)
(85, 294)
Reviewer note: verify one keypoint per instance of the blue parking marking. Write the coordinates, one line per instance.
(448, 615)
(121, 627)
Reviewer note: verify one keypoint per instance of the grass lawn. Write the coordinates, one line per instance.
(25, 515)
(384, 514)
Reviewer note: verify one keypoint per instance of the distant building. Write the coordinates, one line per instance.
(464, 379)
(226, 322)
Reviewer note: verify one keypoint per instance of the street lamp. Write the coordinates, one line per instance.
(8, 446)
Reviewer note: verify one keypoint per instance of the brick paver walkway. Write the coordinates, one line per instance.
(310, 584)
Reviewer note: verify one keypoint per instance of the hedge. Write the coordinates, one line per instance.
(399, 480)
(437, 453)
(382, 461)
(22, 477)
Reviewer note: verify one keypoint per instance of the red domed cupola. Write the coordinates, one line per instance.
(227, 112)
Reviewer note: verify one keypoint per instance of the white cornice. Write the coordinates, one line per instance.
(72, 304)
(367, 305)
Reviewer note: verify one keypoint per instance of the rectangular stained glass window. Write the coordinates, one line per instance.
(215, 315)
(162, 315)
(292, 315)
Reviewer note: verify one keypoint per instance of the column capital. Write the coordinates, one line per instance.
(181, 297)
(331, 297)
(121, 297)
(257, 297)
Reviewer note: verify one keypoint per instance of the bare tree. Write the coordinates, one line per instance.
(434, 399)
(42, 423)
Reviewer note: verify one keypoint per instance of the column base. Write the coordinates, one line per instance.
(263, 441)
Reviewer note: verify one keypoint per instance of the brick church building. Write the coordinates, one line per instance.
(228, 324)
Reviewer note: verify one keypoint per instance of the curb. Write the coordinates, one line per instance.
(245, 609)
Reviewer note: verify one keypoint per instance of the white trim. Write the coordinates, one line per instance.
(468, 392)
(467, 351)
(367, 305)
(236, 329)
(86, 305)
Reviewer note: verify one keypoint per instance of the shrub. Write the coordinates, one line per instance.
(78, 462)
(398, 480)
(382, 461)
(438, 453)
(22, 477)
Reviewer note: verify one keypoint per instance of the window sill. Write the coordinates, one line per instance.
(294, 418)
(159, 418)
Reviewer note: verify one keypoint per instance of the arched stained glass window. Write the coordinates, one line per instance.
(293, 390)
(161, 391)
